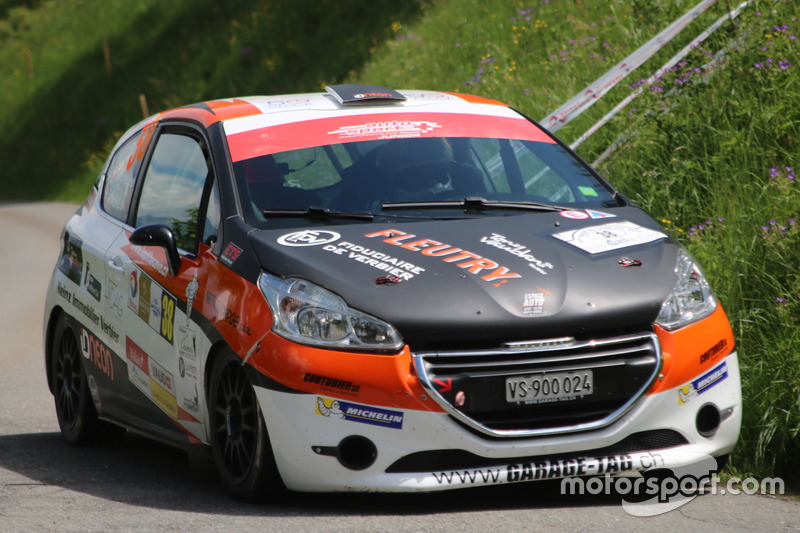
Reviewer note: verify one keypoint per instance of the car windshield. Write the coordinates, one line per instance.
(416, 178)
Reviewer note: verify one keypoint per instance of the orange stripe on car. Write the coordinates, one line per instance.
(692, 350)
(380, 380)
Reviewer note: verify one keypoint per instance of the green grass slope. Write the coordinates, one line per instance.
(709, 148)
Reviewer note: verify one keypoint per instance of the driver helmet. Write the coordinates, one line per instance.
(414, 169)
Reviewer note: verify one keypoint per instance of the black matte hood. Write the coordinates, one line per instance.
(490, 279)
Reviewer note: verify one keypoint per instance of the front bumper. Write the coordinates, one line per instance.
(313, 439)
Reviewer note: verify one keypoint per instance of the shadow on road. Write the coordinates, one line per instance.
(145, 473)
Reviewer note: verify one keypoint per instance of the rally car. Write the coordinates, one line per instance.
(373, 289)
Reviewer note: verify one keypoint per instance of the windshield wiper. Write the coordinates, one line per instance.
(476, 203)
(316, 212)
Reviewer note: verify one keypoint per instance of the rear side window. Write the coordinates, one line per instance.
(120, 179)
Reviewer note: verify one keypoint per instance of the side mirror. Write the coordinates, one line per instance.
(159, 235)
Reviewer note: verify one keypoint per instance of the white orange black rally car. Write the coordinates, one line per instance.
(369, 289)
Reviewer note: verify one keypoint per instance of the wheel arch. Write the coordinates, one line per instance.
(49, 339)
(214, 353)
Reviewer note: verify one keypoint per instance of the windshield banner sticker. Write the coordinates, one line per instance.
(598, 239)
(370, 126)
(391, 129)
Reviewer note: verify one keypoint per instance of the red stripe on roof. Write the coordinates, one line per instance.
(370, 127)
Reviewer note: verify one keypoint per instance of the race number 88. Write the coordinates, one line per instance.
(167, 316)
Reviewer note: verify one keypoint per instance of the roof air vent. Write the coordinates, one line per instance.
(352, 94)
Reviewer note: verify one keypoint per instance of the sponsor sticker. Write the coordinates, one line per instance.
(574, 215)
(138, 366)
(92, 284)
(116, 299)
(396, 269)
(487, 269)
(191, 294)
(599, 214)
(520, 250)
(231, 254)
(71, 262)
(308, 237)
(192, 403)
(353, 412)
(551, 468)
(332, 384)
(607, 237)
(533, 303)
(702, 384)
(187, 345)
(711, 355)
(98, 353)
(154, 305)
(390, 129)
(151, 378)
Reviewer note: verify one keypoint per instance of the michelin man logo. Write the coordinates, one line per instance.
(685, 394)
(331, 411)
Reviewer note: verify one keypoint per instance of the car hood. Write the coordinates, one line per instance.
(537, 275)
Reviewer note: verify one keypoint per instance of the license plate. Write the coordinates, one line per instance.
(549, 386)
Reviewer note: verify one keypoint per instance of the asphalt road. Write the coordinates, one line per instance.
(46, 485)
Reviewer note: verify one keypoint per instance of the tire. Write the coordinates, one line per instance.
(75, 409)
(239, 441)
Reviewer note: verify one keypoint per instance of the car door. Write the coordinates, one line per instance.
(91, 293)
(164, 339)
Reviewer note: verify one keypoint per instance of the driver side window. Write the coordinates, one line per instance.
(173, 186)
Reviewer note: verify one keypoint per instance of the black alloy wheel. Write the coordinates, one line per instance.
(239, 439)
(75, 409)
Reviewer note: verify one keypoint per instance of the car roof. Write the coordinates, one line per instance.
(252, 115)
(293, 107)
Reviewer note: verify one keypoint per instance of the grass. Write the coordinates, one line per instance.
(711, 156)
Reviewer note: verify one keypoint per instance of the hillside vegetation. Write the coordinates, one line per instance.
(709, 148)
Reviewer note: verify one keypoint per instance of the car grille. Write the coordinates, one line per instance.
(471, 385)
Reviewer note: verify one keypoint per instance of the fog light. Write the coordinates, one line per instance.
(356, 452)
(708, 420)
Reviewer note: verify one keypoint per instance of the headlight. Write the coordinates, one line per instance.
(690, 300)
(307, 313)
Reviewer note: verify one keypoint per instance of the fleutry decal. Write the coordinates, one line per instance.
(607, 237)
(486, 269)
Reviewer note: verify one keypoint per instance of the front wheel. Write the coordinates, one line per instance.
(239, 440)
